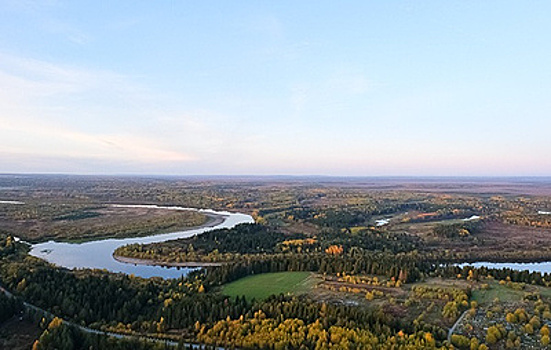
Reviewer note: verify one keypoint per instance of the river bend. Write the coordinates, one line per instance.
(98, 254)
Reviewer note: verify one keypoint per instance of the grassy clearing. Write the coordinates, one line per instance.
(443, 283)
(544, 291)
(264, 285)
(503, 293)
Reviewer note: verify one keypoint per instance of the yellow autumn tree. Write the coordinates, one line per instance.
(56, 322)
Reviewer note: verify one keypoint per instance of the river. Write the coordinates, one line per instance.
(542, 267)
(99, 254)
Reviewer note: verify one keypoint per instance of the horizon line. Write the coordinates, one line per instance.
(68, 174)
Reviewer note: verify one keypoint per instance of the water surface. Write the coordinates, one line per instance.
(99, 254)
(542, 267)
(11, 202)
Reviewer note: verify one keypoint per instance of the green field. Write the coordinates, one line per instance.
(544, 291)
(503, 293)
(264, 285)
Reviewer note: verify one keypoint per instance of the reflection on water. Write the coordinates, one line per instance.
(11, 202)
(99, 254)
(542, 267)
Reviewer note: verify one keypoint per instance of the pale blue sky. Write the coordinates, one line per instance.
(276, 87)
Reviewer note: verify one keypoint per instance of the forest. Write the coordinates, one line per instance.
(383, 263)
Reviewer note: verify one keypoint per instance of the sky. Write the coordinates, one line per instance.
(353, 88)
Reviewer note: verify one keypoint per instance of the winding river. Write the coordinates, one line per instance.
(99, 254)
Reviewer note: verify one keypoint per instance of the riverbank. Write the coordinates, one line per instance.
(99, 254)
(150, 262)
(211, 220)
(106, 221)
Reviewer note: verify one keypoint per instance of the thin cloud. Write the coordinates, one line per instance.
(85, 145)
(30, 78)
(36, 118)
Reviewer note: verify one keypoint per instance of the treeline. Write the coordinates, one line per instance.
(352, 215)
(299, 323)
(246, 241)
(463, 229)
(437, 255)
(453, 271)
(531, 219)
(401, 267)
(242, 239)
(370, 240)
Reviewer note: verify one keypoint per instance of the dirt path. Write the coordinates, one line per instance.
(452, 329)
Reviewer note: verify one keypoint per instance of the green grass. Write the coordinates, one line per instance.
(264, 285)
(544, 291)
(503, 293)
